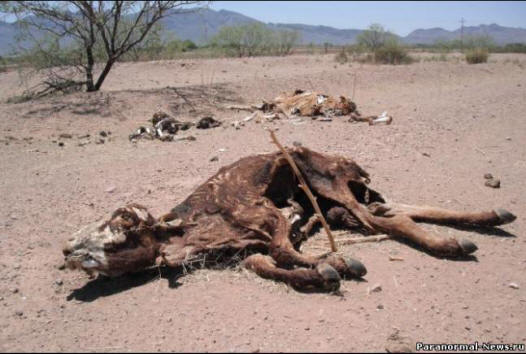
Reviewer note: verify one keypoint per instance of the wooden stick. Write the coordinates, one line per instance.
(375, 238)
(303, 185)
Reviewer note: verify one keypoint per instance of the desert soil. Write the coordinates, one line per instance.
(453, 122)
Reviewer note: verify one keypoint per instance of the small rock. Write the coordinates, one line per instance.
(110, 189)
(100, 141)
(296, 143)
(508, 138)
(513, 285)
(65, 136)
(493, 183)
(19, 313)
(376, 289)
(59, 282)
(60, 143)
(61, 266)
(215, 158)
(14, 290)
(426, 154)
(103, 133)
(380, 307)
(488, 176)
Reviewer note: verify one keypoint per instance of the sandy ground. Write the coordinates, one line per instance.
(453, 123)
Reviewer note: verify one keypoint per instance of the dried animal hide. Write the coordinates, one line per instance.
(254, 210)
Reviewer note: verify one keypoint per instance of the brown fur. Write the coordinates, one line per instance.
(254, 208)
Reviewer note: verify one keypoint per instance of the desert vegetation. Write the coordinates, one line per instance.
(254, 39)
(78, 35)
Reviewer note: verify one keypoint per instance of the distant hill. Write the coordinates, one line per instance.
(202, 25)
(500, 34)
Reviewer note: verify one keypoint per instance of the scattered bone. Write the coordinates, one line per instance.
(164, 127)
(250, 117)
(189, 138)
(393, 258)
(383, 118)
(237, 124)
(312, 104)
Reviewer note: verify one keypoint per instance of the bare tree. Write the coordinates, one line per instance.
(97, 30)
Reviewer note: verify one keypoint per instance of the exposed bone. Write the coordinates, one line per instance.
(306, 189)
(250, 117)
(383, 118)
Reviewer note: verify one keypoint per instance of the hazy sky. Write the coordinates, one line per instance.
(400, 17)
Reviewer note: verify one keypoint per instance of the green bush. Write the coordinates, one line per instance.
(477, 55)
(254, 39)
(392, 52)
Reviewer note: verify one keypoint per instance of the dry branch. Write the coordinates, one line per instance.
(352, 241)
(303, 185)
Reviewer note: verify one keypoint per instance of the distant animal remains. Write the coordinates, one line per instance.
(254, 212)
(301, 103)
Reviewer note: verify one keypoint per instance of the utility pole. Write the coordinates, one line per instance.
(462, 35)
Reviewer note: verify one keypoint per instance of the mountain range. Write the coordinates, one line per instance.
(202, 25)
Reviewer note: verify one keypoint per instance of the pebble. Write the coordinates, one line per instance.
(380, 307)
(60, 143)
(110, 189)
(215, 158)
(59, 282)
(488, 176)
(513, 285)
(19, 313)
(493, 183)
(376, 289)
(65, 136)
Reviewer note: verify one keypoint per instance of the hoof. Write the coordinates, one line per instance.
(331, 278)
(467, 247)
(355, 268)
(505, 216)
